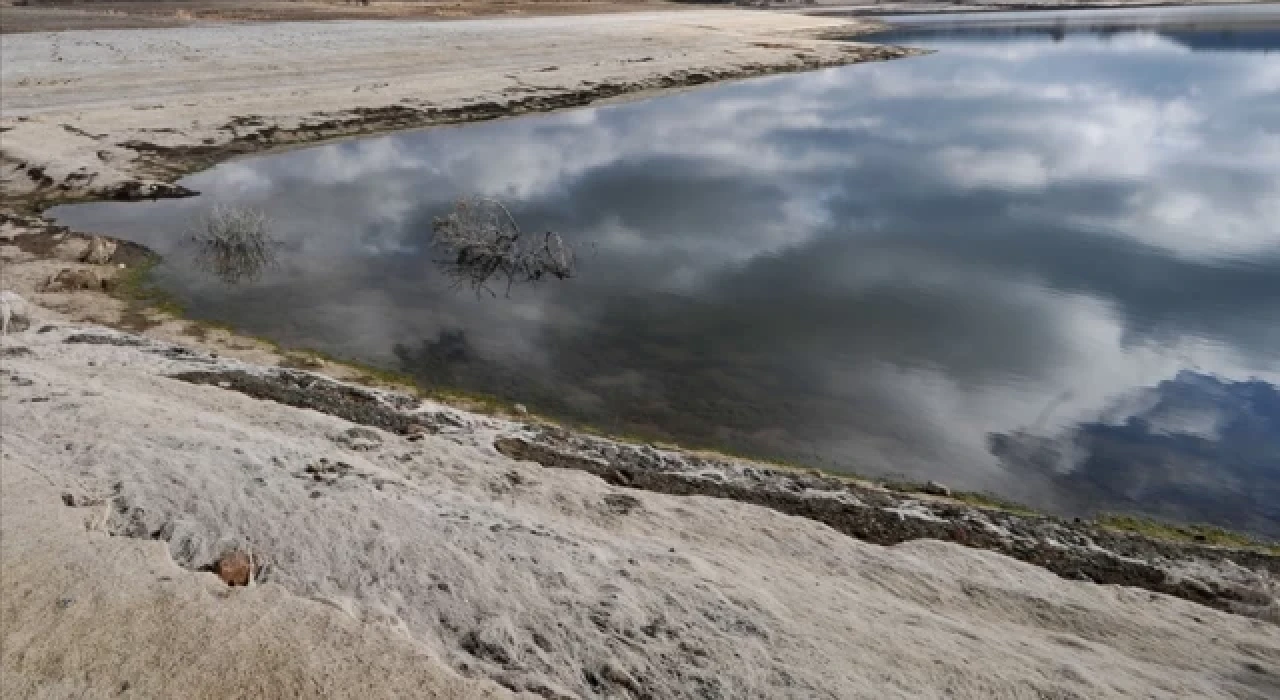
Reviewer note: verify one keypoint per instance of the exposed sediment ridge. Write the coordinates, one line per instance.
(1238, 580)
(1074, 550)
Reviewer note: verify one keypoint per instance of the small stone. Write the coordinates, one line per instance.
(234, 568)
(936, 489)
(99, 251)
(359, 439)
(69, 280)
(303, 360)
(520, 410)
(614, 673)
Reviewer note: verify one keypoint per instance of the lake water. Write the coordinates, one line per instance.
(1043, 262)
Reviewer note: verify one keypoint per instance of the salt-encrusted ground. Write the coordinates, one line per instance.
(419, 557)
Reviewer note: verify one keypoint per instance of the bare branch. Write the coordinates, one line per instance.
(235, 243)
(481, 241)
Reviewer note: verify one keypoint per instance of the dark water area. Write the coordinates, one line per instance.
(1046, 266)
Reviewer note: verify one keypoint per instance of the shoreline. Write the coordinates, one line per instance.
(482, 556)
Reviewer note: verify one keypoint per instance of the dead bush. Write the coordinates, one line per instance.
(481, 242)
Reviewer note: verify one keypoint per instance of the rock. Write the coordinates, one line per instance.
(69, 280)
(621, 503)
(520, 410)
(99, 251)
(302, 360)
(416, 431)
(234, 568)
(936, 489)
(615, 674)
(13, 311)
(359, 439)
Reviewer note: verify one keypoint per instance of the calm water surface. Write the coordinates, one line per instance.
(1038, 262)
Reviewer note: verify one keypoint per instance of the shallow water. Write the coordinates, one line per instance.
(1045, 264)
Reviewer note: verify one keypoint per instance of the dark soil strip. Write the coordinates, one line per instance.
(880, 526)
(302, 390)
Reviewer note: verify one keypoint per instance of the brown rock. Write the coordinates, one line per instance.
(99, 251)
(69, 280)
(936, 489)
(234, 568)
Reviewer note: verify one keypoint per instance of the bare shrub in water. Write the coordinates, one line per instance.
(483, 242)
(235, 243)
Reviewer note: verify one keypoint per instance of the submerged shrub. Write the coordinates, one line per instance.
(482, 242)
(235, 243)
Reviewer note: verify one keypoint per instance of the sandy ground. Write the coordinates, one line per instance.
(61, 15)
(399, 567)
(111, 112)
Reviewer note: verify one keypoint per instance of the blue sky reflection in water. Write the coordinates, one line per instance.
(1046, 266)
